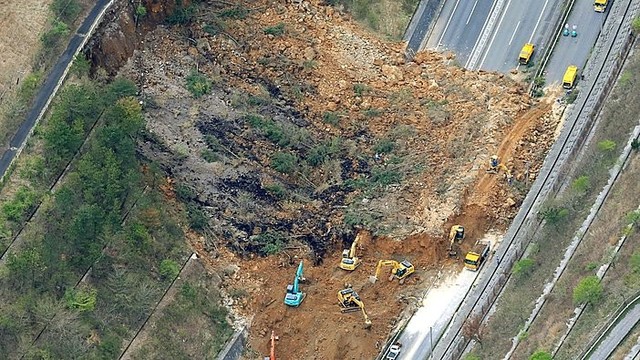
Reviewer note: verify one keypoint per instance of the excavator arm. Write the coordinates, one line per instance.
(383, 263)
(367, 322)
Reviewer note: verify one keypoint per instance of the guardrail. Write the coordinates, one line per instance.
(549, 49)
(622, 309)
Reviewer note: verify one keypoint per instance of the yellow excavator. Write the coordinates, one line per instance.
(495, 166)
(456, 235)
(349, 259)
(350, 301)
(399, 270)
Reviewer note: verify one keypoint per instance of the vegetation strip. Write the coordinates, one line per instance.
(580, 233)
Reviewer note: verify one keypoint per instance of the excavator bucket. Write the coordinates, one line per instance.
(373, 279)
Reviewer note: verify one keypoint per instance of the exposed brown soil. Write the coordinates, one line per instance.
(444, 123)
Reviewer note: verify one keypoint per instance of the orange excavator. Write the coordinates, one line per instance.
(272, 355)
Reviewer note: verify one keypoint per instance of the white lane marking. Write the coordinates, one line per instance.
(495, 32)
(448, 22)
(514, 33)
(484, 34)
(472, 10)
(538, 22)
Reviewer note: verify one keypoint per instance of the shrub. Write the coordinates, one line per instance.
(197, 219)
(541, 355)
(29, 85)
(182, 15)
(21, 205)
(141, 11)
(82, 300)
(523, 268)
(553, 215)
(270, 242)
(588, 290)
(607, 145)
(331, 117)
(635, 144)
(581, 184)
(209, 156)
(384, 146)
(169, 269)
(636, 25)
(284, 162)
(67, 10)
(572, 96)
(539, 81)
(634, 261)
(360, 89)
(276, 30)
(237, 12)
(276, 190)
(198, 84)
(51, 38)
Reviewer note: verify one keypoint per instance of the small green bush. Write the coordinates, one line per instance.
(284, 162)
(276, 190)
(276, 30)
(198, 84)
(141, 11)
(169, 269)
(581, 184)
(182, 15)
(197, 219)
(384, 146)
(523, 268)
(607, 145)
(541, 355)
(331, 117)
(237, 12)
(209, 156)
(360, 89)
(51, 38)
(589, 291)
(82, 300)
(67, 10)
(23, 202)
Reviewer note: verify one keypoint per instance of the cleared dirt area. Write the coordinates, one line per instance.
(311, 130)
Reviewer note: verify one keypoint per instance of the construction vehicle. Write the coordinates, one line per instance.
(350, 301)
(495, 166)
(600, 5)
(399, 270)
(272, 354)
(349, 259)
(525, 54)
(476, 257)
(569, 77)
(294, 295)
(456, 235)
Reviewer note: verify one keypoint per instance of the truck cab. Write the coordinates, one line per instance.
(600, 5)
(525, 54)
(474, 258)
(569, 77)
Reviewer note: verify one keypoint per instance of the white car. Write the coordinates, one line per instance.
(393, 352)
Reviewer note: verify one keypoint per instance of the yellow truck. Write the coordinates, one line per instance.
(477, 256)
(600, 5)
(525, 54)
(569, 77)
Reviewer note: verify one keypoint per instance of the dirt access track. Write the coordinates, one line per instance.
(313, 129)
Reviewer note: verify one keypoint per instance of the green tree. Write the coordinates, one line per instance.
(581, 184)
(198, 84)
(67, 10)
(284, 162)
(541, 355)
(588, 290)
(523, 268)
(52, 37)
(141, 11)
(607, 145)
(169, 269)
(634, 261)
(636, 25)
(553, 215)
(81, 299)
(81, 66)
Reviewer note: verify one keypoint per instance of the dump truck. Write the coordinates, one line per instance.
(525, 54)
(477, 256)
(600, 5)
(569, 77)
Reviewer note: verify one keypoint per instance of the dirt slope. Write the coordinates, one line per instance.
(396, 148)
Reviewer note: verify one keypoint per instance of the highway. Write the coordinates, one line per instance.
(459, 26)
(51, 85)
(575, 51)
(488, 35)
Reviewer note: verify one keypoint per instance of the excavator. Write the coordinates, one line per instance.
(349, 259)
(350, 301)
(399, 270)
(456, 235)
(495, 166)
(272, 354)
(294, 295)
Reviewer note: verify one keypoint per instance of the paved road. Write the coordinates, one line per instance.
(619, 331)
(431, 320)
(519, 22)
(575, 51)
(419, 26)
(50, 86)
(459, 26)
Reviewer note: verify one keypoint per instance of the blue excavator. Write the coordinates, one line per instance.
(294, 296)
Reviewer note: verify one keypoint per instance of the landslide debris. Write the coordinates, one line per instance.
(298, 129)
